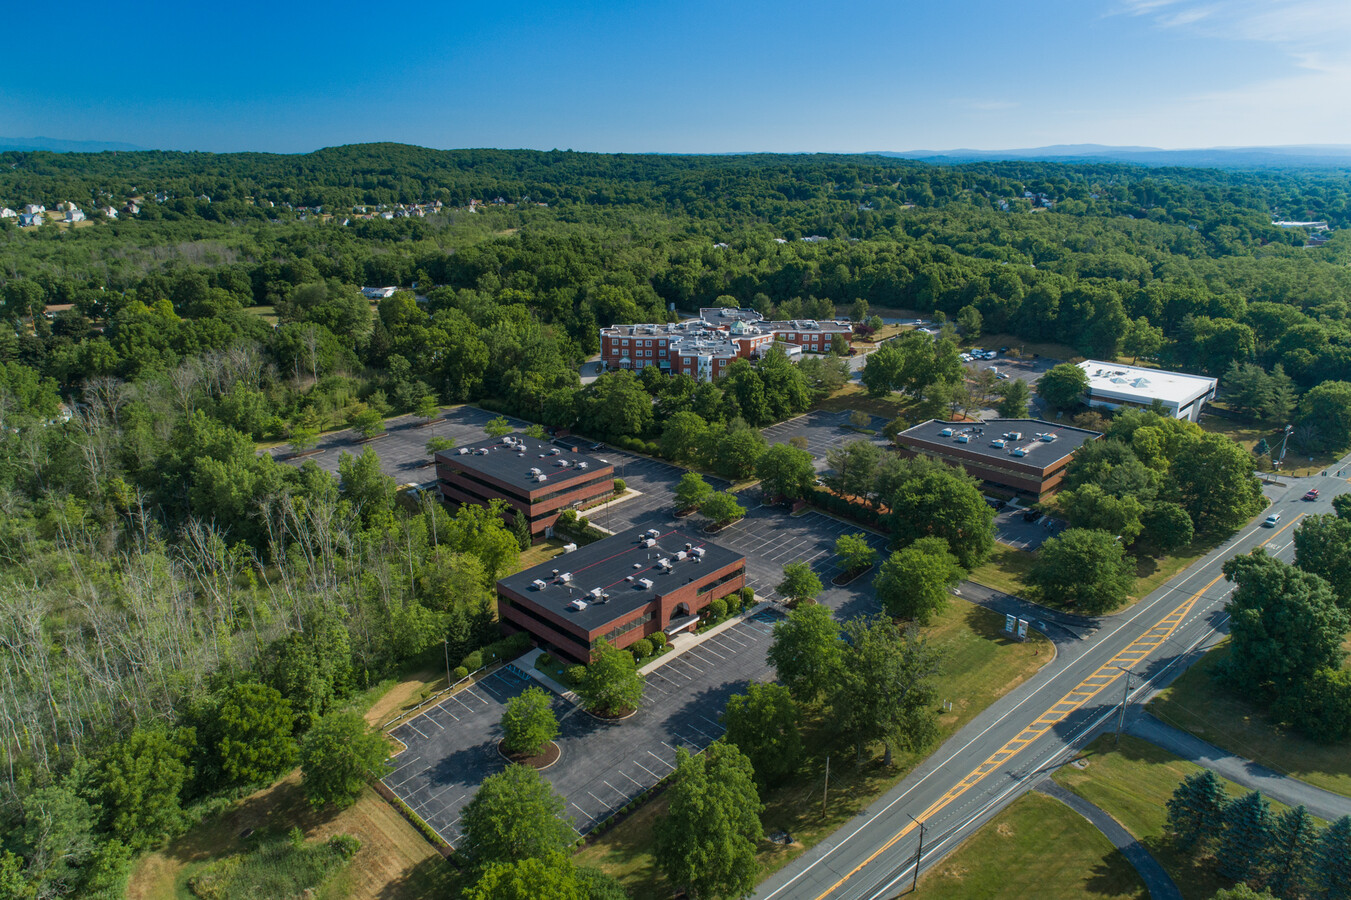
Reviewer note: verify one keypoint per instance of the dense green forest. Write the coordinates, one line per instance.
(155, 568)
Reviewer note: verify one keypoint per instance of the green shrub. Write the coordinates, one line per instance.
(717, 609)
(642, 648)
(658, 640)
(460, 672)
(733, 602)
(748, 596)
(619, 486)
(575, 674)
(474, 661)
(345, 845)
(546, 661)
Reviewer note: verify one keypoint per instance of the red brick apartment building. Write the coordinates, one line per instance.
(705, 347)
(621, 589)
(1026, 456)
(533, 477)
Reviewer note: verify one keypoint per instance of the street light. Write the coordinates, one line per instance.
(1285, 440)
(1125, 697)
(445, 643)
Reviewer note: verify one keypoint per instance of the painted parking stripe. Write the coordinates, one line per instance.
(615, 789)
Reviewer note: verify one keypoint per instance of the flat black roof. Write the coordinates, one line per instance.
(982, 437)
(608, 564)
(510, 463)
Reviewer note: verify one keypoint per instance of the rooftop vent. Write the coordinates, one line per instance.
(629, 578)
(578, 605)
(652, 532)
(646, 583)
(538, 584)
(596, 592)
(637, 565)
(568, 548)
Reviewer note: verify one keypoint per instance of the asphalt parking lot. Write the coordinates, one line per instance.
(824, 430)
(771, 539)
(655, 480)
(452, 747)
(403, 449)
(1012, 530)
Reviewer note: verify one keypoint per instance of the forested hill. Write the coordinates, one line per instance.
(734, 187)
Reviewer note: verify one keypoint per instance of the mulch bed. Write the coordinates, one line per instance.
(844, 578)
(541, 761)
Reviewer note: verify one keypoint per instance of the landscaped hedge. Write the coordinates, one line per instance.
(842, 507)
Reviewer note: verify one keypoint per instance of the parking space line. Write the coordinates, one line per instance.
(615, 789)
(646, 769)
(631, 778)
(659, 759)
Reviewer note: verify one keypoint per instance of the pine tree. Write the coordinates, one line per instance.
(1331, 878)
(1292, 856)
(1196, 809)
(1249, 831)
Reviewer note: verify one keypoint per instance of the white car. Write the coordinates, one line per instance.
(1271, 520)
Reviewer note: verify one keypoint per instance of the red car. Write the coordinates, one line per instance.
(1312, 494)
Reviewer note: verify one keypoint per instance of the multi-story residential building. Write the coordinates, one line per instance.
(533, 478)
(703, 348)
(620, 589)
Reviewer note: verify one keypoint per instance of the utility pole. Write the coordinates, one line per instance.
(1125, 698)
(825, 789)
(919, 854)
(445, 644)
(1285, 440)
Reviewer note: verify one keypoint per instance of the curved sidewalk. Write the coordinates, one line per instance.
(1157, 881)
(1285, 788)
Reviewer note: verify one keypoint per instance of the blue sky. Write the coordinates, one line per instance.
(691, 76)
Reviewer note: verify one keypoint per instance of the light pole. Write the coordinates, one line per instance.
(1125, 697)
(919, 854)
(1285, 440)
(445, 643)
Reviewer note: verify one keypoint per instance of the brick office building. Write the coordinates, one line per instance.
(622, 589)
(533, 477)
(1026, 456)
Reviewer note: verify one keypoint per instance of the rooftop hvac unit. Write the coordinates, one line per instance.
(568, 548)
(1048, 437)
(664, 563)
(646, 583)
(565, 577)
(699, 552)
(681, 554)
(535, 471)
(596, 592)
(963, 438)
(538, 584)
(578, 605)
(650, 542)
(555, 571)
(946, 432)
(541, 478)
(563, 463)
(998, 443)
(1014, 435)
(581, 465)
(463, 450)
(1019, 451)
(629, 578)
(652, 532)
(689, 546)
(637, 565)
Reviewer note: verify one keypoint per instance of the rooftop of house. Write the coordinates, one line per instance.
(619, 575)
(1141, 385)
(1023, 442)
(519, 459)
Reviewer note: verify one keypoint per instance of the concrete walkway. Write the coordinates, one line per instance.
(1288, 790)
(1157, 881)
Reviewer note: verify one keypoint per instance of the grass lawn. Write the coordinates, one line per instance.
(1021, 348)
(395, 861)
(1038, 847)
(1197, 703)
(980, 665)
(1248, 432)
(853, 397)
(541, 553)
(1004, 570)
(1132, 783)
(1007, 567)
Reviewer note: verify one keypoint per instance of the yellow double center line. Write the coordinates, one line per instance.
(1085, 691)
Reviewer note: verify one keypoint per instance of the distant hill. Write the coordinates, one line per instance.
(1313, 155)
(59, 146)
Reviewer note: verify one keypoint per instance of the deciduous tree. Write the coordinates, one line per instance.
(338, 757)
(1064, 386)
(785, 472)
(806, 651)
(883, 688)
(1323, 548)
(515, 815)
(721, 508)
(706, 842)
(529, 723)
(914, 581)
(855, 553)
(612, 685)
(691, 491)
(1082, 568)
(763, 724)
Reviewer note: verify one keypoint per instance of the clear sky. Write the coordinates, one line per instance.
(682, 76)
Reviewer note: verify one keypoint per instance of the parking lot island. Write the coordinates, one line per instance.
(1026, 456)
(619, 589)
(534, 478)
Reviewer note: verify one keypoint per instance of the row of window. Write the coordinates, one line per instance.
(504, 602)
(624, 629)
(730, 576)
(523, 501)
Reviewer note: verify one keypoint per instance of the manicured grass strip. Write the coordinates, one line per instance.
(1198, 703)
(1038, 847)
(980, 665)
(1004, 570)
(1132, 782)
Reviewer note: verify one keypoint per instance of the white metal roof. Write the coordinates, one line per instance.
(1117, 381)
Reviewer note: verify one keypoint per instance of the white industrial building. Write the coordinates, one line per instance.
(1114, 385)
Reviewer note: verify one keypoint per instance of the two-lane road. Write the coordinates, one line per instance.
(1014, 743)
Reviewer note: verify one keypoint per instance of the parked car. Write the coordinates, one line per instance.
(1312, 494)
(1271, 520)
(1031, 515)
